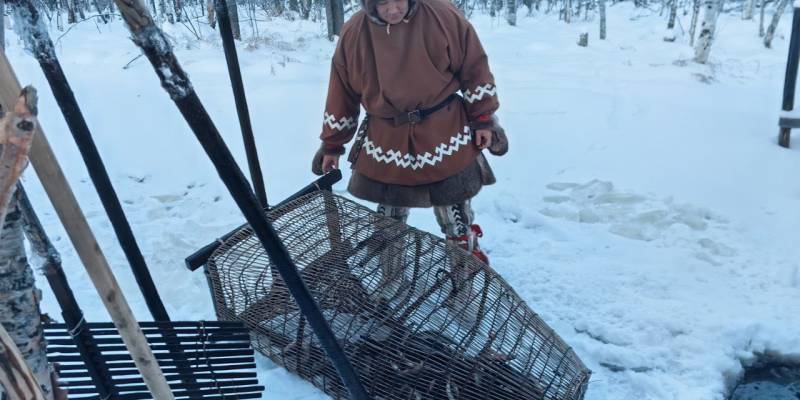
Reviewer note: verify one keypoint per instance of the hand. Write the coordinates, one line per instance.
(483, 138)
(330, 162)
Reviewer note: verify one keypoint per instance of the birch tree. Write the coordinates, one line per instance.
(233, 14)
(602, 6)
(2, 25)
(19, 298)
(511, 12)
(761, 18)
(747, 9)
(693, 24)
(702, 49)
(774, 24)
(334, 12)
(673, 13)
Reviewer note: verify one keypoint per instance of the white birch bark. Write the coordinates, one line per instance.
(19, 298)
(707, 29)
(233, 14)
(747, 9)
(774, 24)
(19, 301)
(693, 25)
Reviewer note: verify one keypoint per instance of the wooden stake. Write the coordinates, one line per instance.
(71, 216)
(15, 375)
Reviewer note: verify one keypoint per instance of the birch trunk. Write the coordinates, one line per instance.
(511, 12)
(602, 6)
(233, 14)
(162, 10)
(673, 13)
(747, 10)
(19, 298)
(178, 4)
(71, 16)
(211, 13)
(19, 301)
(2, 25)
(693, 24)
(707, 29)
(761, 18)
(774, 24)
(334, 14)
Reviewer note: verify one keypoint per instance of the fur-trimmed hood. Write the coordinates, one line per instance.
(372, 12)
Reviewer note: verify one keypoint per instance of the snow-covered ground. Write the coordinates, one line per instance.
(645, 210)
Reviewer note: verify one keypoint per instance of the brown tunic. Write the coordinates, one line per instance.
(396, 69)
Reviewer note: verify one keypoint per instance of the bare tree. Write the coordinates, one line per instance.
(673, 13)
(747, 9)
(602, 6)
(19, 298)
(774, 24)
(334, 13)
(702, 49)
(2, 25)
(693, 24)
(511, 12)
(178, 5)
(71, 16)
(19, 302)
(212, 13)
(233, 14)
(761, 18)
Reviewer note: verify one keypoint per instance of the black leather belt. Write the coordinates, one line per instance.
(416, 116)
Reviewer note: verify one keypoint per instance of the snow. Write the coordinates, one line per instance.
(645, 210)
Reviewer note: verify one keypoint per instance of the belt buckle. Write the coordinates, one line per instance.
(414, 117)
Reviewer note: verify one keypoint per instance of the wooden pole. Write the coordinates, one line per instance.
(15, 376)
(790, 81)
(55, 184)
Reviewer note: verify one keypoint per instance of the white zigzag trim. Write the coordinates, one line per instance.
(344, 122)
(417, 161)
(479, 92)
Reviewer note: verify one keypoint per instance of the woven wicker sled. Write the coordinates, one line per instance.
(418, 318)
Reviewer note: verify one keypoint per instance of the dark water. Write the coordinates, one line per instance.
(769, 382)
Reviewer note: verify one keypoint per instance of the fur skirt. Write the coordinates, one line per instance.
(455, 189)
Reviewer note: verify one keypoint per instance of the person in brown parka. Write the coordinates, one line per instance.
(404, 62)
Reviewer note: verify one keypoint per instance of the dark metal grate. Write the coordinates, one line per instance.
(417, 317)
(214, 361)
